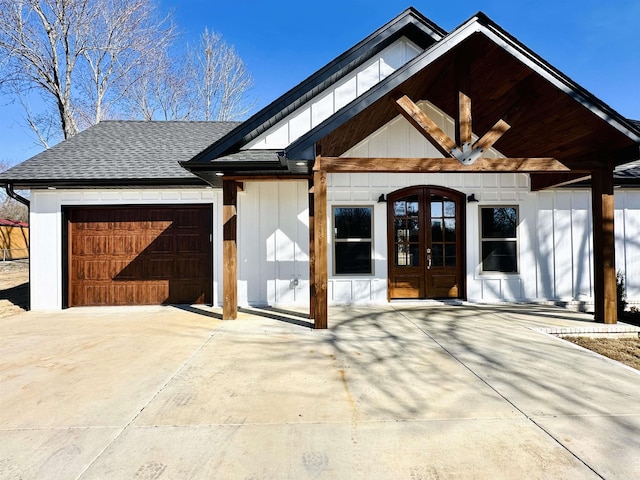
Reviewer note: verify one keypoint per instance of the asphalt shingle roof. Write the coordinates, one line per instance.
(121, 152)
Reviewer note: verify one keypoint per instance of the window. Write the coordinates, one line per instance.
(499, 239)
(352, 239)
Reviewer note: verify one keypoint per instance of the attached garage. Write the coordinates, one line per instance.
(138, 255)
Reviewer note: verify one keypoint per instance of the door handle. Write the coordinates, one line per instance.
(428, 259)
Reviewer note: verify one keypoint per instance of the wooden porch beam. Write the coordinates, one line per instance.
(464, 131)
(464, 119)
(441, 165)
(492, 136)
(229, 250)
(604, 259)
(427, 127)
(320, 249)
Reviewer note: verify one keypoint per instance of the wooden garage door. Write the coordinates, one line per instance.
(139, 255)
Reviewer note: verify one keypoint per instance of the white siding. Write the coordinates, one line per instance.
(627, 227)
(555, 238)
(491, 189)
(273, 243)
(333, 99)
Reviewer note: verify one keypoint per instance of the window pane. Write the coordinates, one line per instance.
(414, 255)
(412, 206)
(352, 222)
(402, 255)
(436, 256)
(449, 208)
(414, 232)
(499, 222)
(400, 208)
(499, 256)
(450, 229)
(401, 230)
(450, 255)
(436, 230)
(354, 258)
(436, 209)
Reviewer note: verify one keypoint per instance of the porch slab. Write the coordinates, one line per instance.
(393, 391)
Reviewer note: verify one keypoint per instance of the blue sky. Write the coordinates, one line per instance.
(594, 42)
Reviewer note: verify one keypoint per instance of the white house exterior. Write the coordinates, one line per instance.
(522, 230)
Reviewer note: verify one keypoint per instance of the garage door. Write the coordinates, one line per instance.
(139, 255)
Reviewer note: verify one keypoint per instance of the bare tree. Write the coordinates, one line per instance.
(81, 56)
(220, 79)
(208, 82)
(123, 51)
(166, 95)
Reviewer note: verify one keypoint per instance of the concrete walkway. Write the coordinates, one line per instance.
(393, 392)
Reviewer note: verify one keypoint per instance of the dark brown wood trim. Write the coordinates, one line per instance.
(442, 165)
(229, 250)
(542, 181)
(320, 248)
(604, 259)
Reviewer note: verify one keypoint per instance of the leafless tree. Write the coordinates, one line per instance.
(80, 56)
(220, 79)
(166, 95)
(208, 82)
(124, 50)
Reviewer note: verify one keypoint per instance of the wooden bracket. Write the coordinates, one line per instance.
(466, 153)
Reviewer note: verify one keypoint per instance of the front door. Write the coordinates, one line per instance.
(426, 243)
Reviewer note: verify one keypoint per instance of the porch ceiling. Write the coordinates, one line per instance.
(545, 121)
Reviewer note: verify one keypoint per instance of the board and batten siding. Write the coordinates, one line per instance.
(312, 113)
(273, 243)
(555, 239)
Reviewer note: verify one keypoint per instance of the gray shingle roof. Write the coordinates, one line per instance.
(120, 153)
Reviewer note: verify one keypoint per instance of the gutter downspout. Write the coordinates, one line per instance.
(9, 188)
(19, 198)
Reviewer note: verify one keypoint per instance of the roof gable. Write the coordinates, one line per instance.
(514, 82)
(410, 24)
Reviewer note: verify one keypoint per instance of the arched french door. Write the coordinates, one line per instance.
(426, 243)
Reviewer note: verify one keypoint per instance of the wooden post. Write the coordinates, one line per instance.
(604, 260)
(312, 254)
(320, 248)
(229, 250)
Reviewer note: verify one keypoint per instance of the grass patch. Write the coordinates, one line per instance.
(624, 350)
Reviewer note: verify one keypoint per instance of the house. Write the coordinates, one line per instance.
(418, 164)
(14, 239)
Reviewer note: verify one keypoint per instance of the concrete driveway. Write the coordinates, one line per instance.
(393, 392)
